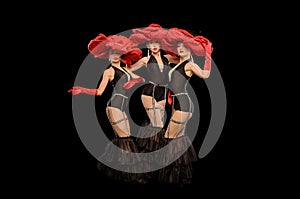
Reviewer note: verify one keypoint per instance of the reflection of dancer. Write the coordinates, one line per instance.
(175, 139)
(116, 48)
(154, 93)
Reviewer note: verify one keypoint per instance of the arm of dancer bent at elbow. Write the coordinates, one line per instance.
(137, 65)
(107, 76)
(129, 84)
(207, 62)
(195, 69)
(136, 79)
(172, 59)
(134, 76)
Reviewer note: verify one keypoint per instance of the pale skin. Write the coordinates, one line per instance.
(115, 114)
(154, 48)
(191, 68)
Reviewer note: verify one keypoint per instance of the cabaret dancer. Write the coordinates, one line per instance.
(154, 93)
(179, 154)
(119, 50)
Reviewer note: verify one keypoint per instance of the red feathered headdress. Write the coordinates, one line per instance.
(199, 45)
(101, 45)
(154, 32)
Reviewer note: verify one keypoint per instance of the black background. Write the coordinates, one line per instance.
(61, 163)
(225, 164)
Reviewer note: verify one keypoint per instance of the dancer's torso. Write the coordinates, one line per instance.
(119, 98)
(157, 77)
(178, 85)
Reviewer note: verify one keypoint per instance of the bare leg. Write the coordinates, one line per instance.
(153, 110)
(119, 121)
(163, 114)
(177, 124)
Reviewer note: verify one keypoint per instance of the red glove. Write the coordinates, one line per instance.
(169, 97)
(133, 82)
(78, 89)
(207, 63)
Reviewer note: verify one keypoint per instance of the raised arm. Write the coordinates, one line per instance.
(207, 63)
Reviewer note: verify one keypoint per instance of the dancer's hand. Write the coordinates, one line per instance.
(75, 90)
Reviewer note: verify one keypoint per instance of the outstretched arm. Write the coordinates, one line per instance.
(75, 90)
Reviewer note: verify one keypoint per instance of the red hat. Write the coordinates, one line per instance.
(154, 32)
(131, 56)
(207, 45)
(198, 44)
(101, 45)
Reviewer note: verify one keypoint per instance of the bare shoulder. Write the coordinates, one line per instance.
(192, 64)
(141, 61)
(109, 71)
(144, 60)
